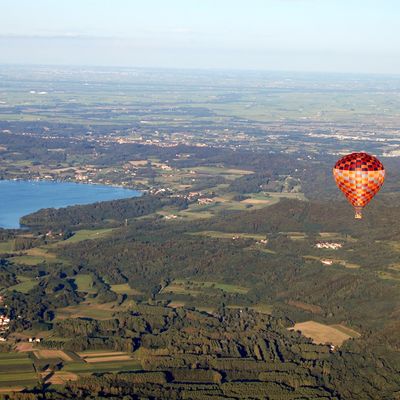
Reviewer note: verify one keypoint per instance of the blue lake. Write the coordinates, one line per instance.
(19, 198)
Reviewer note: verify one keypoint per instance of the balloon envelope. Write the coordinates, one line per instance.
(359, 176)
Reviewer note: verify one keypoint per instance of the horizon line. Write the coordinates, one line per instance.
(202, 69)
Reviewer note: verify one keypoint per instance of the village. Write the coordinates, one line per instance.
(4, 322)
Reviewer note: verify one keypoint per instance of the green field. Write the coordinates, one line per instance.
(29, 260)
(85, 283)
(124, 288)
(25, 285)
(223, 286)
(7, 247)
(87, 310)
(110, 366)
(182, 286)
(87, 234)
(38, 255)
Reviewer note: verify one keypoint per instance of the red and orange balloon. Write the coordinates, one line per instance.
(359, 176)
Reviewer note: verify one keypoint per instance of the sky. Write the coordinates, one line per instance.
(289, 35)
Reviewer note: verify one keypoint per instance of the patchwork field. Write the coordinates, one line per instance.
(16, 372)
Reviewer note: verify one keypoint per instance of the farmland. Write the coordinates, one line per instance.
(16, 371)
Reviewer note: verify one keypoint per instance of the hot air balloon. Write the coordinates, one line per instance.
(359, 176)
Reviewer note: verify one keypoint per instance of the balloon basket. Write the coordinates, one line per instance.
(358, 213)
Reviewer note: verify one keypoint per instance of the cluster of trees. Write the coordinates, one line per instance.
(104, 213)
(255, 183)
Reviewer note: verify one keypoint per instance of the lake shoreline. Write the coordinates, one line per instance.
(23, 197)
(75, 181)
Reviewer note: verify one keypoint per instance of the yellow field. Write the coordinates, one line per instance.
(62, 377)
(176, 304)
(325, 334)
(45, 354)
(100, 353)
(107, 359)
(138, 163)
(230, 235)
(346, 330)
(124, 288)
(256, 201)
(12, 389)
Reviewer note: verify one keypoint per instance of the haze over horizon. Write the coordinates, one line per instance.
(288, 35)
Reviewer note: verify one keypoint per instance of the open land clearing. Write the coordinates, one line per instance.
(92, 309)
(393, 276)
(256, 201)
(260, 308)
(87, 309)
(194, 288)
(26, 284)
(176, 304)
(87, 234)
(85, 283)
(230, 235)
(124, 288)
(37, 255)
(325, 334)
(335, 261)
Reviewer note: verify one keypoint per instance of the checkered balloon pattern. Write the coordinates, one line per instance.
(359, 176)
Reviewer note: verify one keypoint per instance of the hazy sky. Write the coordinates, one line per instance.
(306, 35)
